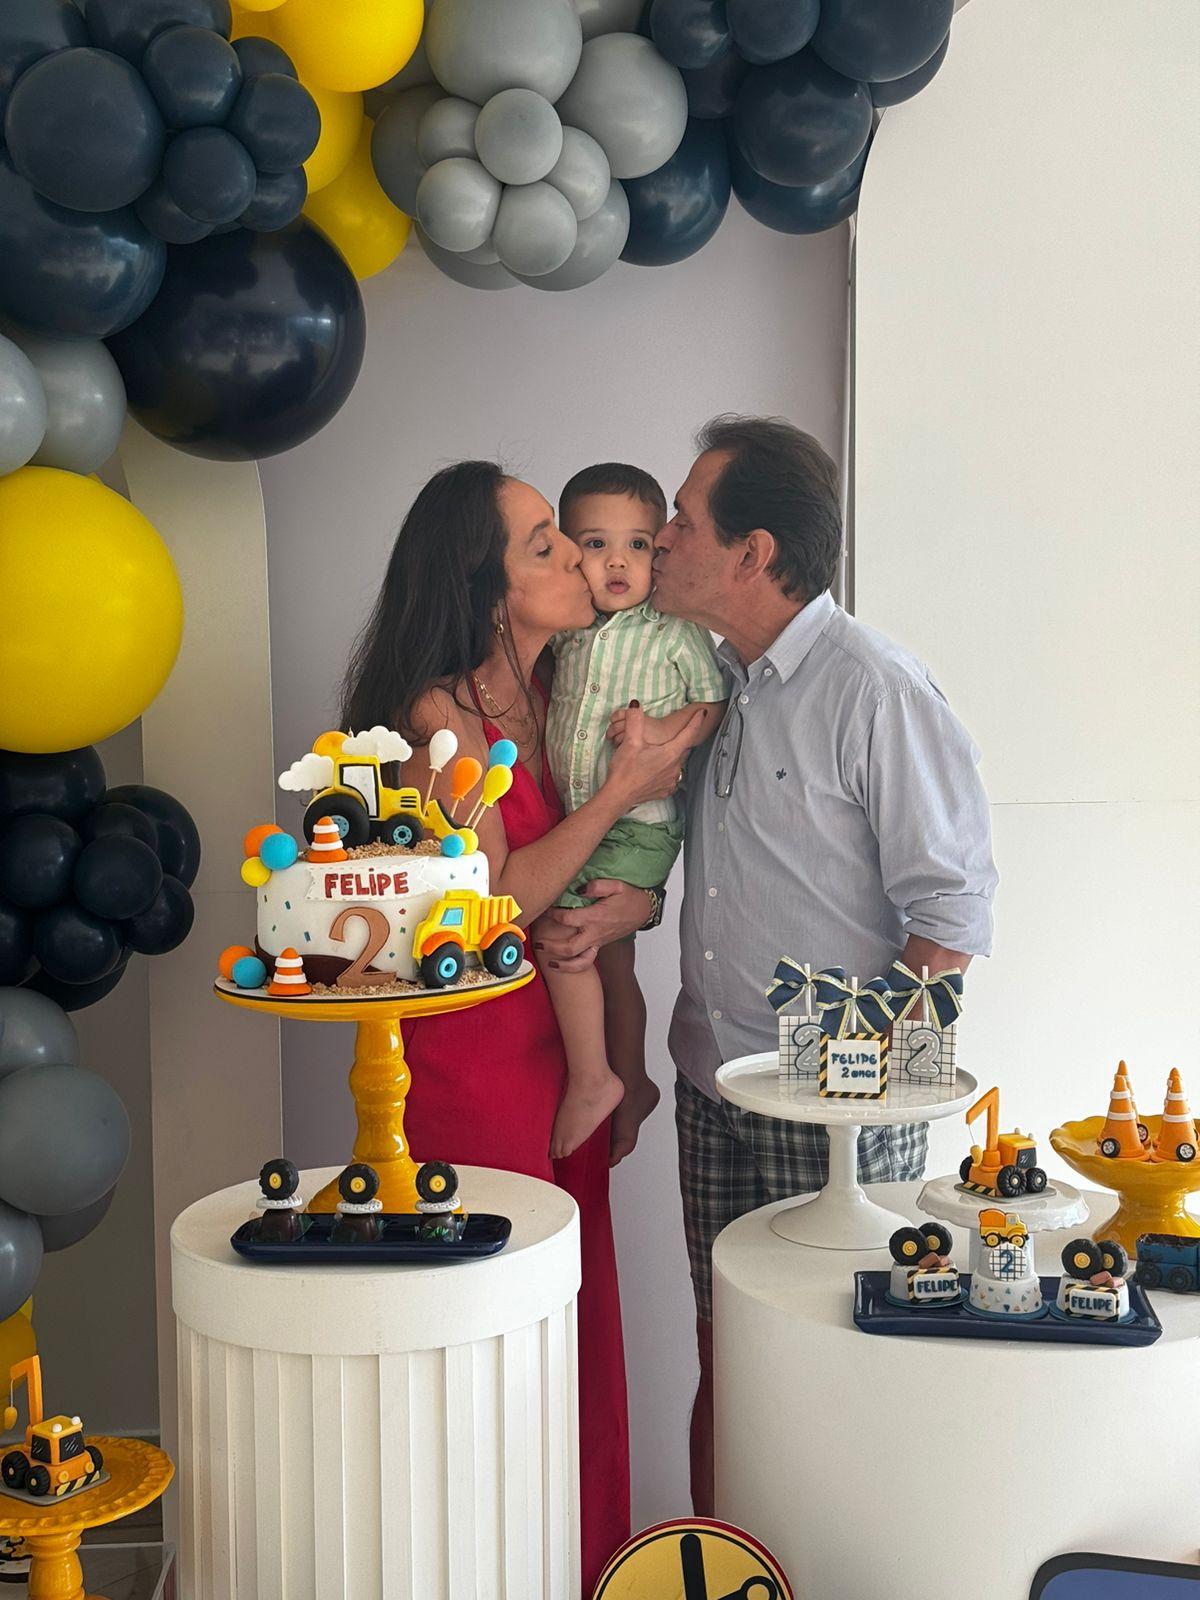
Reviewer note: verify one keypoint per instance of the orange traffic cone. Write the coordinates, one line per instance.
(288, 979)
(1119, 1136)
(1143, 1131)
(1177, 1137)
(326, 843)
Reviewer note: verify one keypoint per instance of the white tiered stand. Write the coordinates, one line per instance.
(842, 1216)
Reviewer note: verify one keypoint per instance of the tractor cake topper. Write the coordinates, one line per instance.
(385, 889)
(849, 1037)
(55, 1460)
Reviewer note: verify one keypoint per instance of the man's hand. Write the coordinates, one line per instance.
(568, 938)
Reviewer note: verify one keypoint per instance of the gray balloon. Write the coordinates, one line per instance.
(582, 173)
(601, 239)
(535, 229)
(478, 47)
(447, 129)
(630, 100)
(394, 146)
(60, 1233)
(85, 401)
(22, 408)
(457, 202)
(20, 1258)
(475, 275)
(64, 1139)
(485, 256)
(34, 1032)
(415, 71)
(609, 16)
(518, 136)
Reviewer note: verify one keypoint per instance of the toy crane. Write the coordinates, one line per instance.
(55, 1461)
(1007, 1164)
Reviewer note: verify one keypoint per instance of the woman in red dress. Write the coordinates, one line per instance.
(479, 580)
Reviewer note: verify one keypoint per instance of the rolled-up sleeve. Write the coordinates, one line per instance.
(916, 775)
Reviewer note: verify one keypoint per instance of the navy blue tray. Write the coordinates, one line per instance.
(874, 1313)
(484, 1235)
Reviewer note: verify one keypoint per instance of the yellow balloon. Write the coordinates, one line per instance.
(255, 872)
(353, 44)
(258, 5)
(249, 24)
(496, 784)
(359, 218)
(92, 613)
(341, 125)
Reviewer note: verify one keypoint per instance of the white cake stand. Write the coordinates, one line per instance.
(842, 1216)
(1058, 1206)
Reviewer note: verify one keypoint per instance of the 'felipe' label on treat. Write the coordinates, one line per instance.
(853, 1069)
(360, 882)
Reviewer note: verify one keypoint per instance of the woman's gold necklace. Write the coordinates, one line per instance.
(525, 721)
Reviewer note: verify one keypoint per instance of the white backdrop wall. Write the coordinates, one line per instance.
(1026, 484)
(625, 369)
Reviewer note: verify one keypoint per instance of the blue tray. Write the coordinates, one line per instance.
(484, 1235)
(874, 1313)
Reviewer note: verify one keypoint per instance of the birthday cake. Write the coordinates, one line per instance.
(1003, 1280)
(380, 888)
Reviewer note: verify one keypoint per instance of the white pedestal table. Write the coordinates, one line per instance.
(929, 1469)
(380, 1432)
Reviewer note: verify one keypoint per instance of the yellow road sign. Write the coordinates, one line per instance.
(693, 1559)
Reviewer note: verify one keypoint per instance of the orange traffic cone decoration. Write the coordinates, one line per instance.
(326, 843)
(1143, 1131)
(288, 979)
(1119, 1136)
(1177, 1137)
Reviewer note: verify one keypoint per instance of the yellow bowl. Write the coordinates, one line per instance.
(1150, 1193)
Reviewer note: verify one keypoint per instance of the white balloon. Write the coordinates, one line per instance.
(442, 748)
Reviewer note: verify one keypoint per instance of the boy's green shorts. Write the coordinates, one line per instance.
(640, 853)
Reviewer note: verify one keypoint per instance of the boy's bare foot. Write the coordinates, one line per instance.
(585, 1104)
(640, 1100)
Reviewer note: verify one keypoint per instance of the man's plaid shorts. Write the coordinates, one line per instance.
(732, 1161)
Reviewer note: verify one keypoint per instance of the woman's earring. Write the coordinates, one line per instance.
(498, 627)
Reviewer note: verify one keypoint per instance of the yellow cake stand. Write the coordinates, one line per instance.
(1150, 1193)
(379, 1078)
(137, 1474)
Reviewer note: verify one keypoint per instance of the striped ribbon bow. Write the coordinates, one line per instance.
(847, 1008)
(943, 990)
(794, 980)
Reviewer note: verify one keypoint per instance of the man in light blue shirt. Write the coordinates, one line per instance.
(837, 817)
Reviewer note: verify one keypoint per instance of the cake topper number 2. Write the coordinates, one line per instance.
(356, 975)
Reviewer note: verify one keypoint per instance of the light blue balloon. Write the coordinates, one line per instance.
(453, 845)
(503, 754)
(279, 851)
(249, 973)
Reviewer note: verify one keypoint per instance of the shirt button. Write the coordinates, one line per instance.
(708, 956)
(743, 699)
(720, 827)
(768, 672)
(582, 734)
(577, 783)
(716, 1016)
(712, 894)
(593, 688)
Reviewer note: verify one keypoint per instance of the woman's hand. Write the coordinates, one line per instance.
(569, 938)
(645, 770)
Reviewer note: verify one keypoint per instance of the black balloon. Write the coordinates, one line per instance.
(61, 272)
(16, 944)
(799, 122)
(127, 26)
(262, 55)
(674, 211)
(37, 861)
(65, 785)
(165, 924)
(690, 33)
(194, 75)
(277, 120)
(116, 878)
(877, 40)
(898, 90)
(84, 129)
(115, 817)
(770, 30)
(278, 199)
(77, 996)
(209, 175)
(165, 220)
(178, 839)
(31, 29)
(59, 1233)
(289, 297)
(712, 91)
(75, 947)
(803, 208)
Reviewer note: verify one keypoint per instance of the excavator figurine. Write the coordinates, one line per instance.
(55, 1461)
